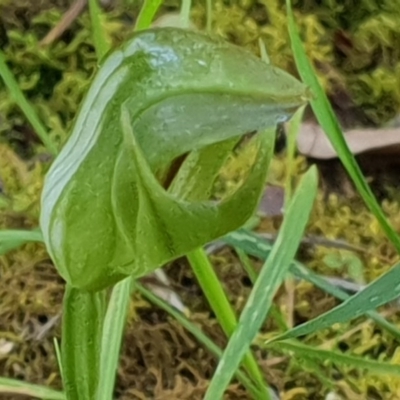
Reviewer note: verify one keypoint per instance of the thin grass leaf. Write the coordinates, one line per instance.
(263, 51)
(209, 16)
(247, 265)
(113, 329)
(328, 121)
(25, 106)
(185, 13)
(268, 281)
(308, 352)
(223, 310)
(384, 289)
(147, 13)
(302, 272)
(197, 333)
(310, 363)
(13, 386)
(100, 39)
(58, 356)
(258, 247)
(252, 274)
(12, 239)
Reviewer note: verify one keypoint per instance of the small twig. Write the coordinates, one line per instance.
(68, 18)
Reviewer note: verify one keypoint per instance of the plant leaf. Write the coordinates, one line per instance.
(147, 13)
(113, 329)
(14, 386)
(25, 106)
(195, 178)
(384, 289)
(83, 315)
(178, 226)
(271, 276)
(104, 215)
(12, 239)
(100, 39)
(253, 245)
(323, 356)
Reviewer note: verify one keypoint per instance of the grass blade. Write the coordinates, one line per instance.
(147, 13)
(185, 13)
(255, 246)
(328, 121)
(304, 273)
(11, 239)
(58, 356)
(271, 276)
(308, 352)
(100, 40)
(384, 289)
(223, 310)
(25, 106)
(209, 16)
(113, 329)
(14, 386)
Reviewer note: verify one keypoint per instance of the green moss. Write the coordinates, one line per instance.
(355, 45)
